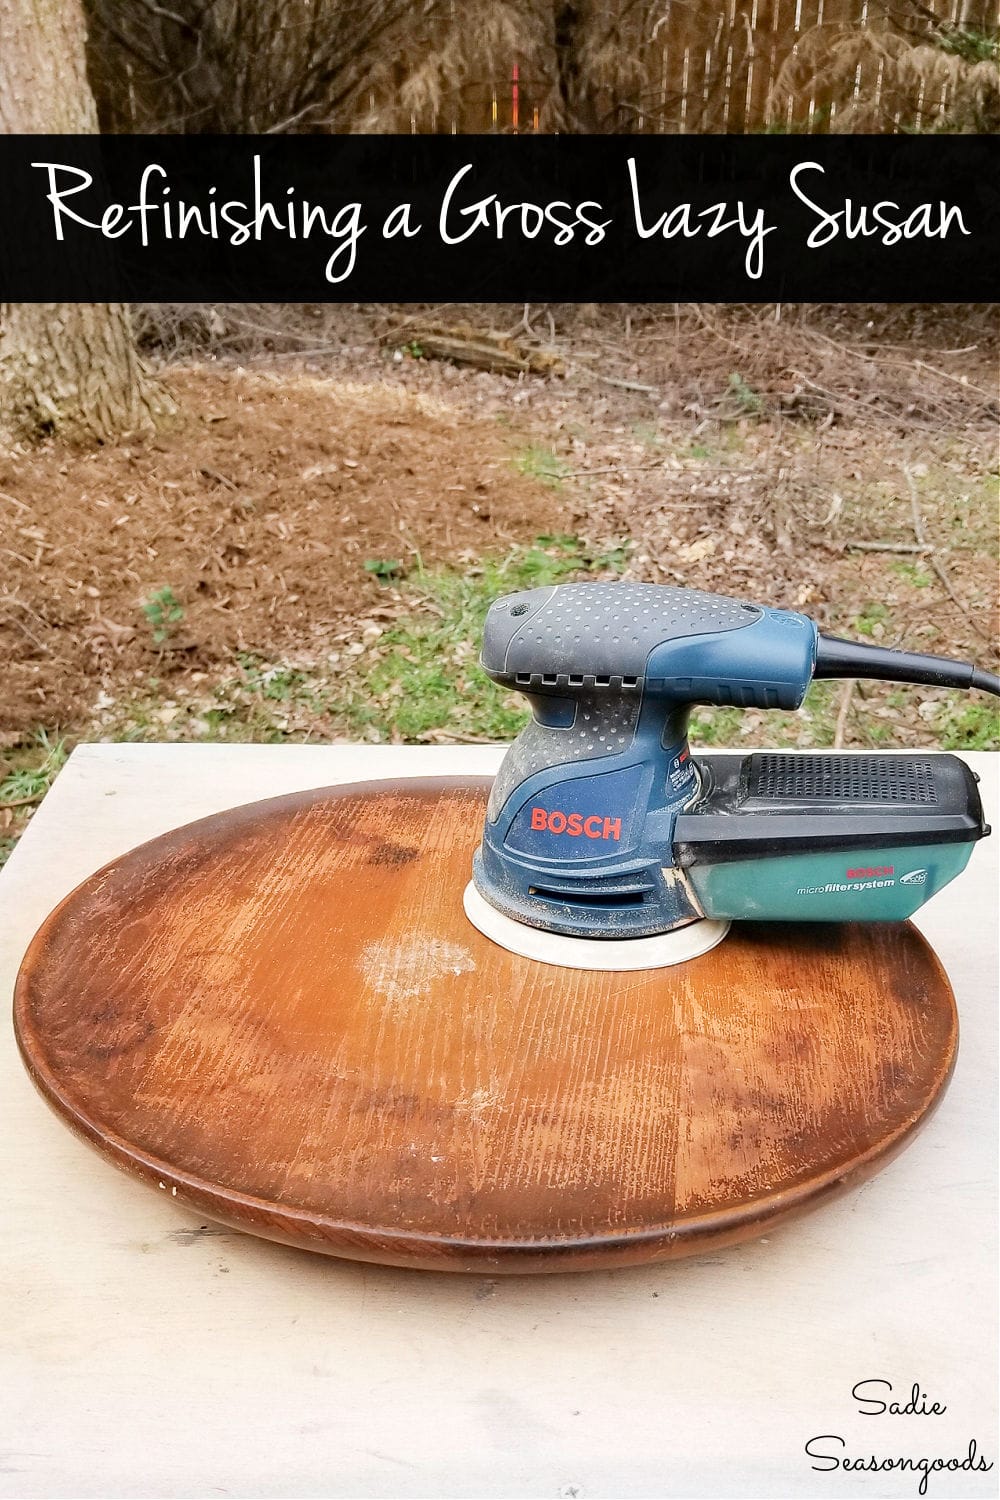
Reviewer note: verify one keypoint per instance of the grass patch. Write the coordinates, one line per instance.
(422, 682)
(23, 788)
(418, 681)
(276, 684)
(542, 464)
(913, 573)
(872, 614)
(716, 726)
(29, 783)
(748, 402)
(968, 726)
(262, 703)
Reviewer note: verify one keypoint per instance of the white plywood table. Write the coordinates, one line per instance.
(145, 1353)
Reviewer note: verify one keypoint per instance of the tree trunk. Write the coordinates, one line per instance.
(67, 366)
(72, 368)
(572, 21)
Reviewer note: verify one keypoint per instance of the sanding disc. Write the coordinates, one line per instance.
(599, 955)
(281, 1018)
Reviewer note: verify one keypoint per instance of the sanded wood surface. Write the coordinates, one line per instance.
(281, 1016)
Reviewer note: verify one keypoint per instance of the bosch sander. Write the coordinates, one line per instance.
(607, 844)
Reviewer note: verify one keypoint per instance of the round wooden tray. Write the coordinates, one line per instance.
(282, 1016)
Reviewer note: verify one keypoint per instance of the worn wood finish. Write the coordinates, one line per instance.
(281, 1016)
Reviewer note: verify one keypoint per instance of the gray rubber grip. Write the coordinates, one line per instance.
(584, 635)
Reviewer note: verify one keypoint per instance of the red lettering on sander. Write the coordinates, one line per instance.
(575, 825)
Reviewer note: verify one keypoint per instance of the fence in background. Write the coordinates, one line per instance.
(715, 70)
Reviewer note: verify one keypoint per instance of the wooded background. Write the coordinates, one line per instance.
(322, 66)
(522, 65)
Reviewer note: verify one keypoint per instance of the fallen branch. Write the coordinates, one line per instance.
(915, 511)
(919, 550)
(499, 353)
(611, 469)
(22, 801)
(846, 699)
(624, 385)
(988, 399)
(219, 478)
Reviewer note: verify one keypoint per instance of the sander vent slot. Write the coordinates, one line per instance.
(851, 778)
(588, 898)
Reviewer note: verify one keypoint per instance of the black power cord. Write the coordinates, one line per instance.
(839, 658)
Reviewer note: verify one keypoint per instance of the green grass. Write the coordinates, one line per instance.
(262, 703)
(913, 573)
(43, 762)
(422, 679)
(968, 726)
(418, 681)
(717, 726)
(24, 787)
(872, 614)
(542, 464)
(749, 402)
(276, 684)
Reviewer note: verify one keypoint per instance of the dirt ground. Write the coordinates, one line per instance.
(258, 511)
(840, 463)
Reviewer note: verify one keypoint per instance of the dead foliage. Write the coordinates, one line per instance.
(635, 66)
(233, 66)
(877, 81)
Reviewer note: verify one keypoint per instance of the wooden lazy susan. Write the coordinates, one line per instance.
(282, 1016)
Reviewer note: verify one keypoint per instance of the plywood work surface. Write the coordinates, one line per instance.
(148, 1350)
(281, 1017)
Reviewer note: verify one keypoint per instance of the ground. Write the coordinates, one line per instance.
(308, 551)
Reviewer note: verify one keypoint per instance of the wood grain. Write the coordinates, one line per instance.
(281, 1016)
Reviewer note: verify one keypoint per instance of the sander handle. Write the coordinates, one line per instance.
(681, 646)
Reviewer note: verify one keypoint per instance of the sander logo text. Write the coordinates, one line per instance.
(575, 825)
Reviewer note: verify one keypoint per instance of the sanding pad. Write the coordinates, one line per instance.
(282, 1018)
(599, 955)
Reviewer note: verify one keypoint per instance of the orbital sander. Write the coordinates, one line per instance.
(608, 845)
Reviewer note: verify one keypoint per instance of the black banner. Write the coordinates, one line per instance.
(498, 218)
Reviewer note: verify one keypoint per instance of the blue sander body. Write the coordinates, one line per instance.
(602, 824)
